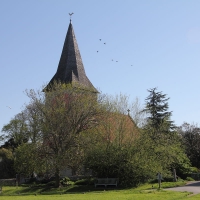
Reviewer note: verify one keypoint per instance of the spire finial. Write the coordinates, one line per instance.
(70, 14)
(128, 111)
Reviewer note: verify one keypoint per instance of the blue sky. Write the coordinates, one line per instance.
(159, 38)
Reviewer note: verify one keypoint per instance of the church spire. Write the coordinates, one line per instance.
(70, 68)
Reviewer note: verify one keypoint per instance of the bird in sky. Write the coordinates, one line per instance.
(104, 44)
(8, 107)
(71, 14)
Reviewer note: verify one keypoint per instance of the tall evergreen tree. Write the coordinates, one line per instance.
(156, 107)
(160, 136)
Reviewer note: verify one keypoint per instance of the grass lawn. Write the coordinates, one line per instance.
(90, 193)
(110, 195)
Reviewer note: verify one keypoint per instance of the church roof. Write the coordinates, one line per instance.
(70, 68)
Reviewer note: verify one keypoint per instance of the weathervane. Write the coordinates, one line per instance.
(70, 14)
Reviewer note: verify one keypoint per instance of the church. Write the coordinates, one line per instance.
(71, 71)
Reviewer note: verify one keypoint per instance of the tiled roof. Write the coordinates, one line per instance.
(70, 68)
(115, 126)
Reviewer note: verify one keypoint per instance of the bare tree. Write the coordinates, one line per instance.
(121, 103)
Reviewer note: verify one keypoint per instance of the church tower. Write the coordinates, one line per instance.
(70, 68)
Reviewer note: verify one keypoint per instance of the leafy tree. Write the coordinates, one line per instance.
(10, 144)
(15, 131)
(190, 135)
(112, 154)
(6, 164)
(62, 114)
(131, 164)
(33, 122)
(28, 160)
(24, 127)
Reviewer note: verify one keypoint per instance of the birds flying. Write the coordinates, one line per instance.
(105, 44)
(71, 14)
(8, 107)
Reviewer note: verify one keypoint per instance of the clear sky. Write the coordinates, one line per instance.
(156, 44)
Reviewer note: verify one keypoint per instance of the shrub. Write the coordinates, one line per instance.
(189, 179)
(51, 183)
(123, 163)
(89, 181)
(66, 181)
(168, 179)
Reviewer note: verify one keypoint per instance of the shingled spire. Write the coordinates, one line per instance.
(70, 68)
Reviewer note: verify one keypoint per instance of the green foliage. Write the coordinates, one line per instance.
(16, 130)
(62, 114)
(137, 163)
(87, 181)
(189, 178)
(190, 135)
(6, 164)
(158, 119)
(159, 134)
(127, 164)
(66, 181)
(68, 127)
(193, 170)
(89, 193)
(27, 159)
(51, 183)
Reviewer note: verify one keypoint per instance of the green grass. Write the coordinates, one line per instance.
(142, 192)
(43, 189)
(110, 195)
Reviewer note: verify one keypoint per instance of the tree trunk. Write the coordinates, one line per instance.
(57, 177)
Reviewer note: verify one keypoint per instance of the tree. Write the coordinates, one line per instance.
(15, 132)
(190, 135)
(28, 160)
(33, 122)
(158, 119)
(112, 155)
(122, 104)
(62, 114)
(159, 133)
(6, 164)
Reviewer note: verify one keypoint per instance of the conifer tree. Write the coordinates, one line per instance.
(158, 116)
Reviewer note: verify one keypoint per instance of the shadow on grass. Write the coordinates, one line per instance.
(44, 189)
(89, 188)
(77, 189)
